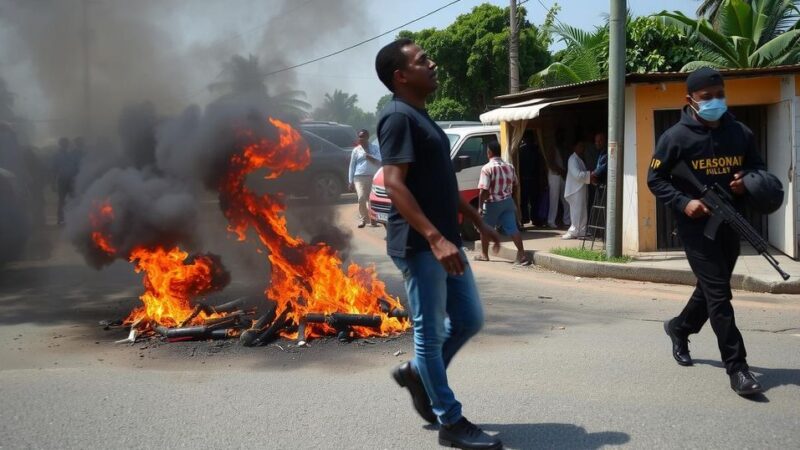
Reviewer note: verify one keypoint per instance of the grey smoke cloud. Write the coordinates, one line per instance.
(165, 157)
(150, 50)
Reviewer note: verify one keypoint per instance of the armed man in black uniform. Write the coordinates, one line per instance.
(718, 149)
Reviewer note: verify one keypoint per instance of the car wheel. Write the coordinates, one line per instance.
(326, 188)
(468, 230)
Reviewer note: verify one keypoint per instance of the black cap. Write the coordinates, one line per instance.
(703, 78)
(765, 191)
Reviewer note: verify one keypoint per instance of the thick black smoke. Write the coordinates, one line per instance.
(161, 167)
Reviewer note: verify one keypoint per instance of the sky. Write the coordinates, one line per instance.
(307, 29)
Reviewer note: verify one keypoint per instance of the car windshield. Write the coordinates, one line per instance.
(453, 139)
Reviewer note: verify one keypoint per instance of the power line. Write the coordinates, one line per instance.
(286, 69)
(362, 42)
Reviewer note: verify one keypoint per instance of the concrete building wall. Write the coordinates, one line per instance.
(796, 108)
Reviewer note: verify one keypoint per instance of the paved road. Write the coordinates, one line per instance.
(562, 363)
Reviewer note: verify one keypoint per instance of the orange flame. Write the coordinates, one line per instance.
(101, 218)
(170, 284)
(306, 278)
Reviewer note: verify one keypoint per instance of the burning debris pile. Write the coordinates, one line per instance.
(310, 292)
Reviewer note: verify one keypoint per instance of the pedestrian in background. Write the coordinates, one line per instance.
(576, 192)
(365, 160)
(555, 184)
(424, 242)
(497, 185)
(66, 165)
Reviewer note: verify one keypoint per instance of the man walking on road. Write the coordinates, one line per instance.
(364, 162)
(423, 241)
(717, 148)
(497, 184)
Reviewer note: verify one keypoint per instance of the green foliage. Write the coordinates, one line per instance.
(444, 108)
(382, 102)
(756, 33)
(342, 107)
(472, 54)
(580, 61)
(588, 255)
(651, 46)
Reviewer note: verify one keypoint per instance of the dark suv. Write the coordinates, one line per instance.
(323, 180)
(344, 136)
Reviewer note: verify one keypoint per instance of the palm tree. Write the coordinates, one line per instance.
(578, 61)
(709, 9)
(338, 107)
(245, 80)
(755, 33)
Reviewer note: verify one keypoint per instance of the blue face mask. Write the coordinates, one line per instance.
(711, 110)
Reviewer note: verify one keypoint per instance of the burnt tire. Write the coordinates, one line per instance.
(326, 188)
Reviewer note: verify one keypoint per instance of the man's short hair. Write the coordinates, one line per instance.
(362, 131)
(389, 59)
(494, 147)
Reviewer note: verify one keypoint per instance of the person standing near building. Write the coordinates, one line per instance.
(601, 169)
(555, 185)
(365, 160)
(66, 164)
(424, 242)
(576, 192)
(717, 149)
(497, 184)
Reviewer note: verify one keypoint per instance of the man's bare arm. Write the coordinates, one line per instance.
(469, 212)
(394, 177)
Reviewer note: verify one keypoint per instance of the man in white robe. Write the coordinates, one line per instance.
(576, 192)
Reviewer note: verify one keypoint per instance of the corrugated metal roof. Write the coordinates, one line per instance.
(652, 77)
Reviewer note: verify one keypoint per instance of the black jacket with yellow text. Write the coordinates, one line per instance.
(713, 154)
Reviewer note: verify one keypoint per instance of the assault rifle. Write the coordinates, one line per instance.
(720, 203)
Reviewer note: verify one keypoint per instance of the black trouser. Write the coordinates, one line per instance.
(712, 263)
(527, 199)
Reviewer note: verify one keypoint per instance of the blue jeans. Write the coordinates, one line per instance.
(447, 312)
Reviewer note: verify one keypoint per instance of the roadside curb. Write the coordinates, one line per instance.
(634, 272)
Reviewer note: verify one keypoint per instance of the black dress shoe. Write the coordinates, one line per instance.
(680, 346)
(744, 383)
(407, 377)
(465, 434)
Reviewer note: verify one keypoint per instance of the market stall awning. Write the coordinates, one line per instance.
(530, 109)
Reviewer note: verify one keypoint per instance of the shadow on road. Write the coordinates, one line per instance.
(770, 378)
(61, 293)
(554, 436)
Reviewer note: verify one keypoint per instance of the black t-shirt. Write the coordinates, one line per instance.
(408, 135)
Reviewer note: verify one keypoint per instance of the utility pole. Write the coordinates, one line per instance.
(87, 81)
(513, 50)
(616, 126)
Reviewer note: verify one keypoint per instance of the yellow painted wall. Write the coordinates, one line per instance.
(653, 97)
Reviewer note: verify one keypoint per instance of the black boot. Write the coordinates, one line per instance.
(465, 434)
(407, 377)
(744, 383)
(680, 346)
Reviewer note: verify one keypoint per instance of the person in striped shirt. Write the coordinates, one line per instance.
(498, 183)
